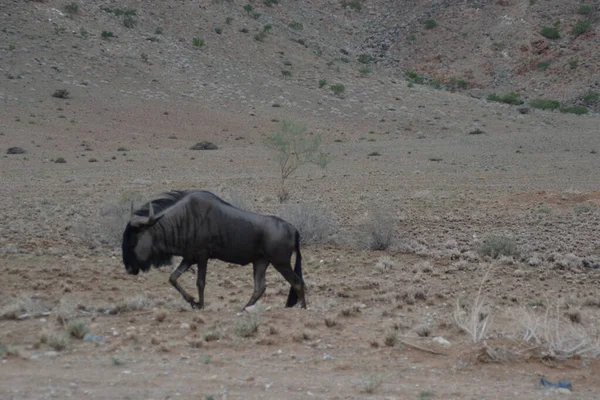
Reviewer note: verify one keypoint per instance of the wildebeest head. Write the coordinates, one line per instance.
(137, 246)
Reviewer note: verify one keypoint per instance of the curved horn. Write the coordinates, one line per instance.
(150, 213)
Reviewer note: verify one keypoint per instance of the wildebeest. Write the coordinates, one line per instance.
(198, 226)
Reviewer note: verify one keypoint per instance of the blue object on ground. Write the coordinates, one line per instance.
(93, 338)
(559, 385)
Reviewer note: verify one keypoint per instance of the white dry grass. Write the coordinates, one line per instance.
(21, 307)
(476, 318)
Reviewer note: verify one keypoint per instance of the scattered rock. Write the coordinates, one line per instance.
(441, 341)
(184, 325)
(15, 150)
(523, 110)
(204, 145)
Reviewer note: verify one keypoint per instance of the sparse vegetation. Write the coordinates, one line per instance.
(374, 154)
(474, 320)
(248, 8)
(270, 3)
(495, 246)
(591, 97)
(197, 42)
(415, 78)
(77, 328)
(117, 361)
(585, 9)
(15, 150)
(7, 351)
(107, 35)
(365, 70)
(315, 224)
(218, 30)
(425, 395)
(247, 325)
(129, 22)
(294, 148)
(577, 110)
(256, 14)
(61, 94)
(544, 104)
(370, 383)
(286, 73)
(573, 64)
(296, 25)
(57, 340)
(322, 82)
(543, 65)
(210, 336)
(583, 208)
(512, 98)
(550, 33)
(158, 30)
(354, 5)
(135, 303)
(379, 231)
(71, 8)
(60, 160)
(581, 27)
(338, 88)
(430, 23)
(365, 58)
(228, 20)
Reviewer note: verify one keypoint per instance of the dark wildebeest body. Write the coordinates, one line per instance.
(198, 226)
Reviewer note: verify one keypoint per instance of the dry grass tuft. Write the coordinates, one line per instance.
(379, 231)
(330, 322)
(136, 303)
(57, 340)
(77, 328)
(369, 383)
(474, 320)
(315, 224)
(391, 339)
(247, 325)
(211, 335)
(18, 307)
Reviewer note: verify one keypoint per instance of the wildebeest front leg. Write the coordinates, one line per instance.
(293, 279)
(260, 281)
(184, 266)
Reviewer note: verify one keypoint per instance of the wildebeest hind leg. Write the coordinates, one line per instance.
(200, 283)
(184, 266)
(260, 281)
(293, 279)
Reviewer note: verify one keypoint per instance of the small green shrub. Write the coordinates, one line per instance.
(256, 15)
(268, 28)
(60, 160)
(415, 78)
(107, 34)
(286, 73)
(365, 70)
(228, 20)
(591, 97)
(457, 84)
(248, 8)
(543, 65)
(370, 383)
(158, 30)
(585, 9)
(71, 8)
(430, 23)
(354, 5)
(129, 22)
(550, 33)
(338, 88)
(322, 82)
(496, 246)
(218, 30)
(544, 104)
(577, 110)
(583, 208)
(581, 27)
(271, 3)
(260, 36)
(507, 98)
(365, 58)
(197, 42)
(573, 64)
(296, 25)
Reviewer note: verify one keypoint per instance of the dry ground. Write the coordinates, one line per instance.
(372, 315)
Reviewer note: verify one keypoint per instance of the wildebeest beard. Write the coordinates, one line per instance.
(133, 264)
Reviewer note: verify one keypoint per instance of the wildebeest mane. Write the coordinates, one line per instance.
(170, 199)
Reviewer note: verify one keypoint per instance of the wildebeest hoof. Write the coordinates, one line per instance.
(196, 305)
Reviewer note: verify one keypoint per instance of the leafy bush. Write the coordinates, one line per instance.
(158, 30)
(107, 35)
(129, 22)
(543, 65)
(430, 23)
(197, 42)
(294, 148)
(218, 30)
(550, 33)
(365, 70)
(585, 9)
(338, 88)
(544, 104)
(286, 73)
(248, 8)
(247, 325)
(355, 5)
(322, 82)
(507, 98)
(228, 20)
(71, 8)
(60, 160)
(591, 97)
(581, 27)
(379, 231)
(256, 15)
(77, 328)
(577, 110)
(365, 58)
(496, 246)
(415, 78)
(204, 145)
(296, 25)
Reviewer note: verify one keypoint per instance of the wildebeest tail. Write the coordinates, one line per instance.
(293, 296)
